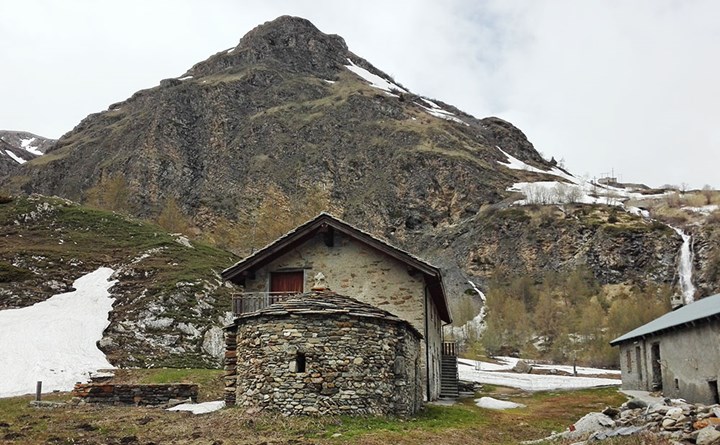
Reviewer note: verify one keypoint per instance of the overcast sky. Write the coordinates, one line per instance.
(629, 85)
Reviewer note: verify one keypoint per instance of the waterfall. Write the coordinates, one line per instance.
(474, 326)
(685, 267)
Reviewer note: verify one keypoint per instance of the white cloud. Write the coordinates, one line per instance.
(603, 84)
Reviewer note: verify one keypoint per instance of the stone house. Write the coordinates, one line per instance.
(677, 353)
(323, 353)
(360, 266)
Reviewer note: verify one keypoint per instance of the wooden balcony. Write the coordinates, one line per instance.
(254, 301)
(449, 348)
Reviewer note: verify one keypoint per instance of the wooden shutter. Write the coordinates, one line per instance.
(287, 282)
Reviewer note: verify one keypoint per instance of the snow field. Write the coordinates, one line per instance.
(55, 341)
(495, 374)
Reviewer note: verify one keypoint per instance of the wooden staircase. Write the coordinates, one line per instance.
(449, 371)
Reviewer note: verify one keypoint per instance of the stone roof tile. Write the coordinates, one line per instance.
(325, 302)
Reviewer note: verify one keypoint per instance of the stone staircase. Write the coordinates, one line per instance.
(449, 371)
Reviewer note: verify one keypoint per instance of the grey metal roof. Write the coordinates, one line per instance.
(700, 309)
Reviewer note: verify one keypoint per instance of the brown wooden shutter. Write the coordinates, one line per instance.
(287, 282)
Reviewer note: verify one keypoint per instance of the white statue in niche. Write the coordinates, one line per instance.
(320, 283)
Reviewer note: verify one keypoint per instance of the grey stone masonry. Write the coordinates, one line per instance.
(230, 364)
(129, 394)
(322, 353)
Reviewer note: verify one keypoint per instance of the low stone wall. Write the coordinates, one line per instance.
(129, 394)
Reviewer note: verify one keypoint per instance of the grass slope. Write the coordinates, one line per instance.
(47, 243)
(463, 423)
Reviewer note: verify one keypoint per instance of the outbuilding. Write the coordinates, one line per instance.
(677, 353)
(322, 353)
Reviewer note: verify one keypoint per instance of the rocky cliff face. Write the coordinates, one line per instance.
(706, 256)
(292, 110)
(18, 147)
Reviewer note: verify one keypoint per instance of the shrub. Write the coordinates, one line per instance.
(713, 218)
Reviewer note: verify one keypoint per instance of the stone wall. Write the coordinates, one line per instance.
(230, 364)
(689, 363)
(324, 364)
(354, 269)
(134, 394)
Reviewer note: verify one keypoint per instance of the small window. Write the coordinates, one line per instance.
(300, 362)
(628, 361)
(677, 384)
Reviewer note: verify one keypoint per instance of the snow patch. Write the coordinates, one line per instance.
(199, 408)
(704, 210)
(495, 374)
(374, 80)
(570, 189)
(185, 78)
(490, 403)
(182, 239)
(638, 212)
(54, 341)
(443, 114)
(516, 164)
(17, 159)
(27, 145)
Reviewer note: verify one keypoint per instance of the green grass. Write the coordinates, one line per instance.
(432, 418)
(86, 234)
(209, 381)
(463, 423)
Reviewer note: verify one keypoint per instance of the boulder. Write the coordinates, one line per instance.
(674, 413)
(590, 424)
(708, 436)
(635, 403)
(522, 367)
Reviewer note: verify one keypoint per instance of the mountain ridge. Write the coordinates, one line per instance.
(260, 137)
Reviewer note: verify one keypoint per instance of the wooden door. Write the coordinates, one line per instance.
(286, 283)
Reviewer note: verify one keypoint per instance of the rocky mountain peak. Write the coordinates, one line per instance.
(293, 42)
(18, 147)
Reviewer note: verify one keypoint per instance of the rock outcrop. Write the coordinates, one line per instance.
(291, 116)
(674, 420)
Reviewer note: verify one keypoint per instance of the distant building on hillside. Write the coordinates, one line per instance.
(678, 353)
(608, 180)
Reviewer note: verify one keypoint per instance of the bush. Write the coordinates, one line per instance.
(713, 218)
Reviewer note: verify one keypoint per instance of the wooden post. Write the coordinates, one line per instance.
(38, 391)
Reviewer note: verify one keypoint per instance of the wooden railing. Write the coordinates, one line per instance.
(449, 348)
(254, 301)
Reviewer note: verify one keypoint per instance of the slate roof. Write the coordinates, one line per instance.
(326, 303)
(700, 310)
(302, 233)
